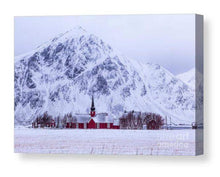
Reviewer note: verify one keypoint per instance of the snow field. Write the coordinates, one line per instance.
(79, 141)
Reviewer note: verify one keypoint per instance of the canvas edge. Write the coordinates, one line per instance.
(199, 75)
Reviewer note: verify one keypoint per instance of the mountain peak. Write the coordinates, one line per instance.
(188, 77)
(77, 31)
(60, 75)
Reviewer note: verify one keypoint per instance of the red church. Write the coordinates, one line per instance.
(92, 120)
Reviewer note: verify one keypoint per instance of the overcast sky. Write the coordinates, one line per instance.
(167, 40)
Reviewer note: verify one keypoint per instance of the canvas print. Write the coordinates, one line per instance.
(109, 84)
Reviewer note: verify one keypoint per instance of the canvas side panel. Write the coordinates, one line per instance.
(199, 83)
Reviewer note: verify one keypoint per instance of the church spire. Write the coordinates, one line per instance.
(92, 111)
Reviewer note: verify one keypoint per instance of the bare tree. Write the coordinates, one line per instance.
(135, 120)
(139, 122)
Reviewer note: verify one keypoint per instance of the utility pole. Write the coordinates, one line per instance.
(170, 123)
(166, 123)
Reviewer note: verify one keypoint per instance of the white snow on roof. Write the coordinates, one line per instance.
(99, 118)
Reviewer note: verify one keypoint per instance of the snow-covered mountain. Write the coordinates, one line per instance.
(188, 77)
(194, 79)
(61, 75)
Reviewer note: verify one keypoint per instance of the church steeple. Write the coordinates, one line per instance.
(92, 111)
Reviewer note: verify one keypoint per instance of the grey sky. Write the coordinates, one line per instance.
(167, 40)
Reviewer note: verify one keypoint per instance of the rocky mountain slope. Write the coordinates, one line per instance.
(61, 75)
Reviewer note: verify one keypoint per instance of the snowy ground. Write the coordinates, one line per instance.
(147, 142)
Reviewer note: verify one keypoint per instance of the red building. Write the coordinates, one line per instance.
(92, 120)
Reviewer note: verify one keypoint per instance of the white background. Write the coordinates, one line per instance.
(85, 165)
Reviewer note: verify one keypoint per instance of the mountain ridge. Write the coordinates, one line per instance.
(71, 67)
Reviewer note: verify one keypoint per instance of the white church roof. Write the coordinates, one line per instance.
(99, 118)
